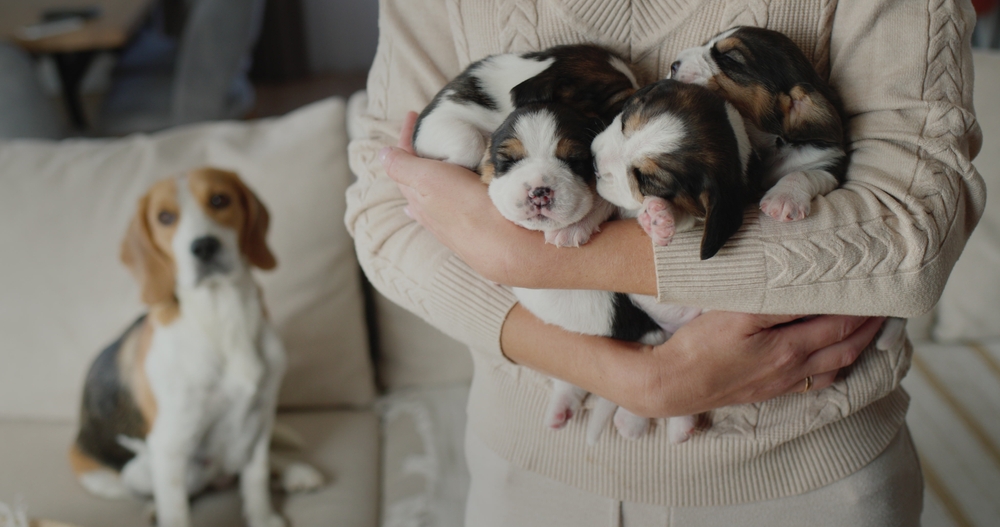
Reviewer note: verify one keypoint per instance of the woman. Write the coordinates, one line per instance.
(882, 245)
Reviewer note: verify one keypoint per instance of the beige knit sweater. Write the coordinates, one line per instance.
(882, 245)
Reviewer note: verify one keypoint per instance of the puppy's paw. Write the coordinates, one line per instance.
(574, 235)
(785, 204)
(657, 219)
(680, 429)
(300, 477)
(562, 408)
(629, 425)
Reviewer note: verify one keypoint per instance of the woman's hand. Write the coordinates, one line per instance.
(719, 359)
(452, 203)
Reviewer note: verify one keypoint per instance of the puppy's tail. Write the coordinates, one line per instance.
(600, 417)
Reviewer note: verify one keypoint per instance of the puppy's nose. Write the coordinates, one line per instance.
(674, 67)
(205, 248)
(540, 196)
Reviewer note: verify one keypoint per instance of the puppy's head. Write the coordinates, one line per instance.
(201, 226)
(539, 167)
(769, 80)
(682, 143)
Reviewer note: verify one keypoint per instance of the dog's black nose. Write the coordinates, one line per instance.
(674, 67)
(540, 196)
(205, 248)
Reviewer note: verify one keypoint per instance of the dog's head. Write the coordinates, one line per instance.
(769, 80)
(202, 226)
(682, 143)
(539, 167)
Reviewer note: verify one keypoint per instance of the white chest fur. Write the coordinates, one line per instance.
(214, 373)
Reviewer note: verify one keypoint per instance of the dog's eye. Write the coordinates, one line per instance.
(219, 201)
(166, 218)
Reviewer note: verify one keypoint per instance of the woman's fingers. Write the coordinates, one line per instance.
(844, 353)
(819, 382)
(406, 132)
(822, 331)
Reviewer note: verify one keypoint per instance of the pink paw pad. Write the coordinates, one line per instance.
(784, 207)
(657, 219)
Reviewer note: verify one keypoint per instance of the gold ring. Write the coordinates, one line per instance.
(809, 384)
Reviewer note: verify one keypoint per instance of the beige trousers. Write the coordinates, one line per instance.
(888, 492)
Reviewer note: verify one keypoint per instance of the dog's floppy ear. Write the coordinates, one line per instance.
(538, 89)
(723, 217)
(253, 237)
(486, 168)
(809, 116)
(152, 268)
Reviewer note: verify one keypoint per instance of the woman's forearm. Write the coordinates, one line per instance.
(719, 359)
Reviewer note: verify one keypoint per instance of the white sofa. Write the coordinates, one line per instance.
(393, 454)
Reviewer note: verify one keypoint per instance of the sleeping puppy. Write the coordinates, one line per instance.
(677, 155)
(186, 397)
(540, 173)
(793, 116)
(455, 126)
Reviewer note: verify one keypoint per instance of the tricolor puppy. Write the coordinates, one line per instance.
(794, 117)
(677, 153)
(457, 123)
(546, 148)
(186, 397)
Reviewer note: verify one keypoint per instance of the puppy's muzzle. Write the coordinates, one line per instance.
(540, 196)
(205, 248)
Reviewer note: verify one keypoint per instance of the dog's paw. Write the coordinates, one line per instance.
(300, 477)
(271, 520)
(574, 235)
(680, 429)
(657, 219)
(561, 410)
(785, 204)
(629, 425)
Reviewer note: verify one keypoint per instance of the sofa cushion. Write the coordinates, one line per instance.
(65, 295)
(970, 305)
(342, 445)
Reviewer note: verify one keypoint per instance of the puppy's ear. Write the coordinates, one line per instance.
(723, 217)
(486, 168)
(540, 88)
(150, 266)
(253, 237)
(809, 116)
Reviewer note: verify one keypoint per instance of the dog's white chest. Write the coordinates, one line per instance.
(210, 364)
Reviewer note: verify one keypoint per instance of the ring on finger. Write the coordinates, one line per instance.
(809, 384)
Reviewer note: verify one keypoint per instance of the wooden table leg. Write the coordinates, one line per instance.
(72, 67)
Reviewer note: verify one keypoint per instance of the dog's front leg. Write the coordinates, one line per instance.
(171, 445)
(255, 486)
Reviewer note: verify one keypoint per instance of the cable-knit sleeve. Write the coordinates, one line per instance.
(416, 56)
(885, 242)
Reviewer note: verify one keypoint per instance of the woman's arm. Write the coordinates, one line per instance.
(719, 359)
(883, 244)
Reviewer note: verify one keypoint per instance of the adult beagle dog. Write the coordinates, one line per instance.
(185, 399)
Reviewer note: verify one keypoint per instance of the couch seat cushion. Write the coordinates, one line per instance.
(343, 445)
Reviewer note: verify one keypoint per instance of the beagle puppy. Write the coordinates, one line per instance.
(677, 153)
(794, 118)
(186, 398)
(525, 123)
